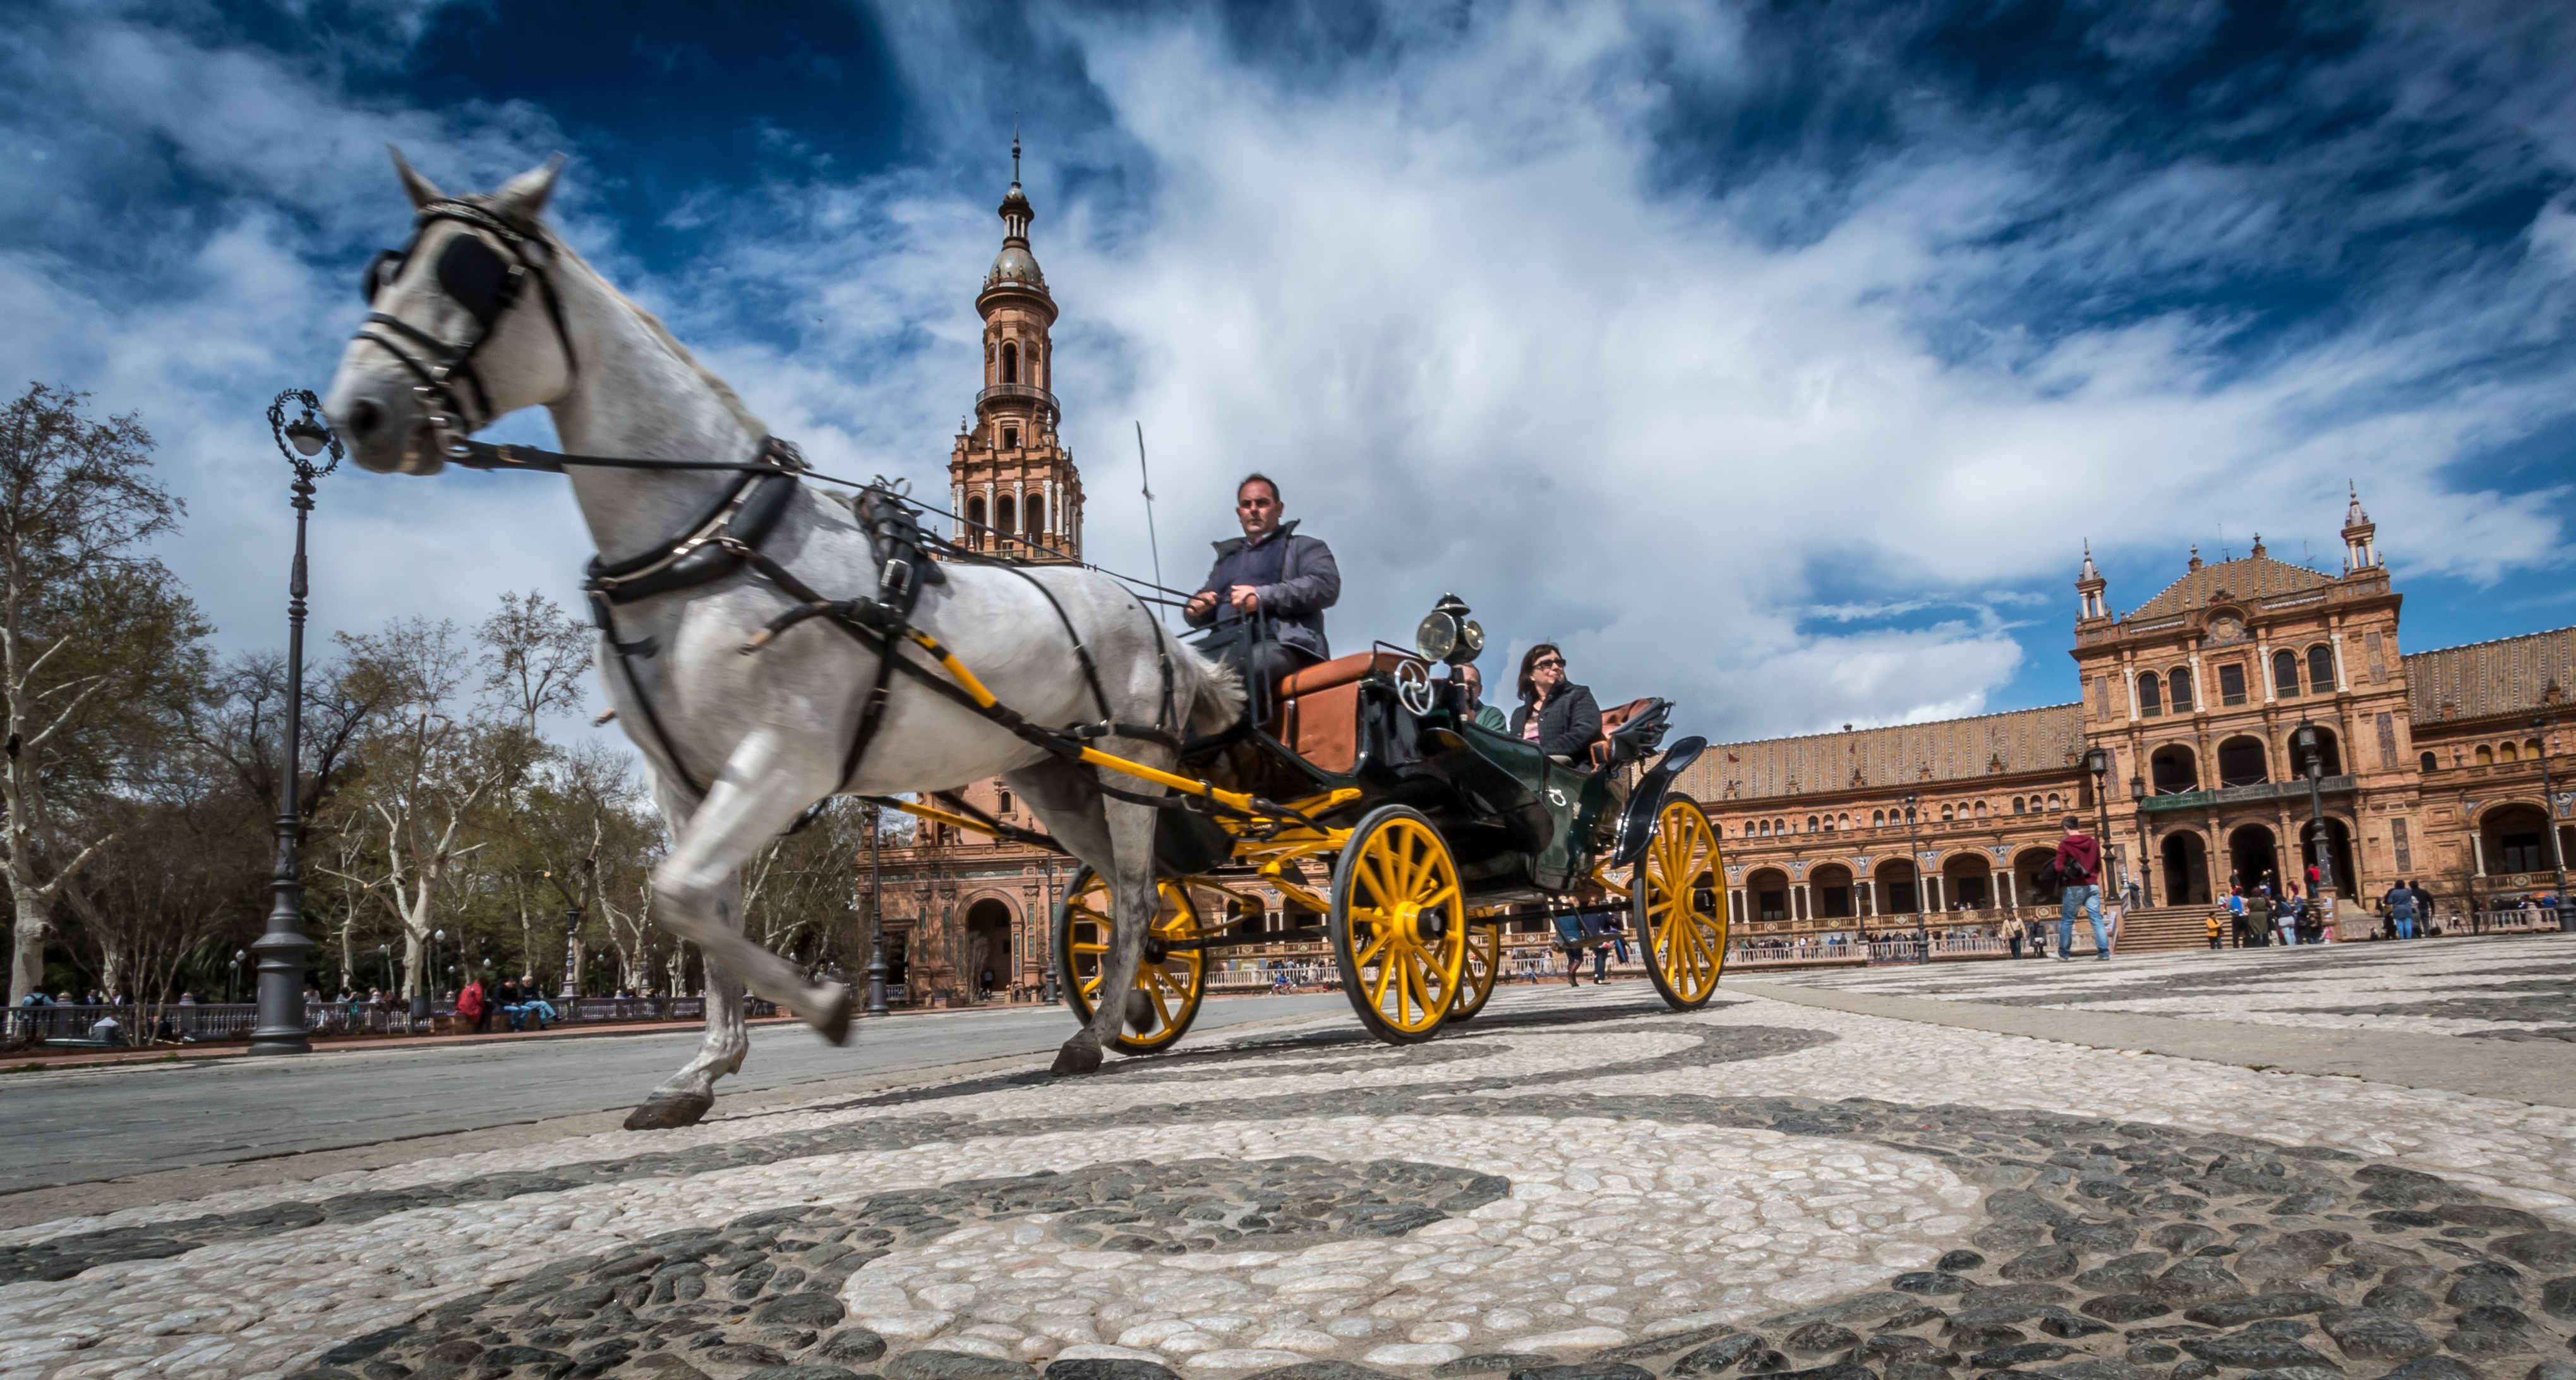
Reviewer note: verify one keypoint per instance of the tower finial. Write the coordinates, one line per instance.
(1015, 148)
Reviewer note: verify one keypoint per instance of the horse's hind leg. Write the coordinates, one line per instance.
(1131, 878)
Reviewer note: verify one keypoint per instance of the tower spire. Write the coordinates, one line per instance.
(1015, 150)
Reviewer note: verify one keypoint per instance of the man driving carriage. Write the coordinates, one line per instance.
(1268, 590)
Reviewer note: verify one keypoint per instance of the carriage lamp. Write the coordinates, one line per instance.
(2306, 738)
(2146, 873)
(282, 944)
(1448, 634)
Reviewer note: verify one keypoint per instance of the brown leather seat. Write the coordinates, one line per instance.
(1610, 721)
(1319, 708)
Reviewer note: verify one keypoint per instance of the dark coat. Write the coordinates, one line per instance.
(1309, 582)
(1568, 727)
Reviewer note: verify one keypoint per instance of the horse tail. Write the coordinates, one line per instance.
(1212, 690)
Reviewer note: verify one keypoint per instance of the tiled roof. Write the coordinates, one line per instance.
(2023, 740)
(2506, 676)
(2253, 577)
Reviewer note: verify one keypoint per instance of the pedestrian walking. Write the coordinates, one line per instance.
(2014, 929)
(2400, 905)
(2258, 918)
(2236, 920)
(2217, 928)
(2078, 862)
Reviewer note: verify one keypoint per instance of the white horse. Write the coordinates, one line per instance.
(740, 744)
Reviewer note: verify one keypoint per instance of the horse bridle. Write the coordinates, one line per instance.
(486, 282)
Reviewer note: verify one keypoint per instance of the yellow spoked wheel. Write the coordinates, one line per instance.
(1399, 925)
(1484, 960)
(1680, 892)
(1169, 981)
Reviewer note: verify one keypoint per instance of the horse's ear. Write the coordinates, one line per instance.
(420, 189)
(525, 195)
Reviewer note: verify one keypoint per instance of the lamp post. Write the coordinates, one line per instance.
(1914, 862)
(876, 920)
(385, 956)
(1048, 992)
(281, 947)
(2547, 727)
(2319, 838)
(425, 1000)
(232, 977)
(2146, 873)
(2097, 760)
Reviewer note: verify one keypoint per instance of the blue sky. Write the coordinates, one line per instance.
(1777, 358)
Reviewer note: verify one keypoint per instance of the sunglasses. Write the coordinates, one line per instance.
(1551, 664)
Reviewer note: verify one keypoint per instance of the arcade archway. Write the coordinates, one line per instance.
(1967, 878)
(985, 966)
(2253, 859)
(2340, 846)
(2186, 869)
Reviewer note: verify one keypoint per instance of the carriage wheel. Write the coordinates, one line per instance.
(1169, 982)
(1680, 901)
(1484, 961)
(1399, 925)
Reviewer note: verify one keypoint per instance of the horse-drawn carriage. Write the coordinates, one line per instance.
(1435, 834)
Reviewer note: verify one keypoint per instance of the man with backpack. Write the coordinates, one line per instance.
(2078, 863)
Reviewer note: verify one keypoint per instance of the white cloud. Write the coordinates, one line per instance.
(1449, 288)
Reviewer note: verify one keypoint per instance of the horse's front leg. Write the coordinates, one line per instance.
(686, 1096)
(764, 785)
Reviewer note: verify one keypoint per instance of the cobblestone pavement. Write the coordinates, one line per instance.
(2505, 987)
(1577, 1185)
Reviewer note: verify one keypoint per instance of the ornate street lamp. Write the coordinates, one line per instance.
(232, 979)
(424, 1000)
(2547, 727)
(2146, 870)
(2320, 839)
(1914, 861)
(876, 922)
(281, 948)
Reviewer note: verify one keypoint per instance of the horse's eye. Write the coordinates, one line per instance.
(386, 266)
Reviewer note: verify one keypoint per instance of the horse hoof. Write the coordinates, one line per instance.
(1081, 1054)
(834, 1026)
(669, 1111)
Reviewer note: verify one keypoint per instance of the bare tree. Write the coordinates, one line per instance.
(99, 645)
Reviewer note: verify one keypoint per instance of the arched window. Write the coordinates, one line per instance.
(1945, 814)
(1766, 828)
(1811, 824)
(1037, 512)
(1779, 826)
(2486, 756)
(2321, 676)
(1877, 818)
(975, 517)
(2178, 688)
(2054, 803)
(1010, 362)
(2151, 698)
(1002, 515)
(1004, 799)
(1846, 821)
(2505, 752)
(1010, 438)
(2018, 804)
(2428, 762)
(2175, 769)
(2285, 674)
(2243, 762)
(1981, 809)
(2531, 748)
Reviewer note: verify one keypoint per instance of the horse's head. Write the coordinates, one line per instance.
(463, 326)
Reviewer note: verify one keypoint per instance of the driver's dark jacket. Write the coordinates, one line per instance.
(1296, 578)
(1568, 727)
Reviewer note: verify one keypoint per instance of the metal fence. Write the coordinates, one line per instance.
(228, 1020)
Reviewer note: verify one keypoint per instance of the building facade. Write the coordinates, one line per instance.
(2431, 764)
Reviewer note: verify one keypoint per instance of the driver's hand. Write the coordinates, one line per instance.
(1201, 604)
(1245, 599)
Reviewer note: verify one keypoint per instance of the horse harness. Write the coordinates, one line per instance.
(726, 536)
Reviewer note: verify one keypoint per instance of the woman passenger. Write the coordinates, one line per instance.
(1555, 713)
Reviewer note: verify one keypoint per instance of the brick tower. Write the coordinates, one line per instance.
(1009, 472)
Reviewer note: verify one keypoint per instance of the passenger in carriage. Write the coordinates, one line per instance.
(1486, 716)
(1556, 714)
(1285, 579)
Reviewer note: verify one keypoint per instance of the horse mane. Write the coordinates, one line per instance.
(724, 391)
